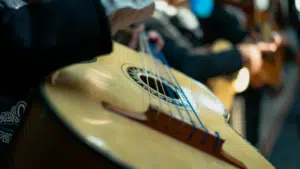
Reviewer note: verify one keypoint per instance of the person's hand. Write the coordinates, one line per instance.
(252, 54)
(134, 41)
(156, 37)
(277, 38)
(124, 17)
(153, 36)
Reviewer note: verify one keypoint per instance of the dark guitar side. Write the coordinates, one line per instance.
(44, 142)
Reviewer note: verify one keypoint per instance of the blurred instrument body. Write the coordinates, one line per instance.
(262, 13)
(227, 86)
(109, 112)
(270, 74)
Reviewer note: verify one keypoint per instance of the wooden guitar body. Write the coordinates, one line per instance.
(271, 72)
(227, 86)
(101, 115)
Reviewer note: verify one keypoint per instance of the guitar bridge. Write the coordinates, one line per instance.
(186, 133)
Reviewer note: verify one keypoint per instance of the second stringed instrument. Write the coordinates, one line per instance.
(227, 86)
(271, 72)
(261, 13)
(128, 110)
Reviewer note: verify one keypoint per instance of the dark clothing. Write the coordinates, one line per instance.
(203, 66)
(199, 67)
(40, 38)
(223, 25)
(46, 37)
(253, 99)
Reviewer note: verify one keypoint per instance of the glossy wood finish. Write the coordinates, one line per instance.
(80, 89)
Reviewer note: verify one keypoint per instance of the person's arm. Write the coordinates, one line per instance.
(41, 38)
(212, 64)
(201, 67)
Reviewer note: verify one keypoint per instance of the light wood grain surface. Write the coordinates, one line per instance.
(131, 142)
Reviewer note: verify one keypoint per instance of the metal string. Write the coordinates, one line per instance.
(164, 61)
(168, 90)
(148, 50)
(160, 56)
(155, 53)
(145, 66)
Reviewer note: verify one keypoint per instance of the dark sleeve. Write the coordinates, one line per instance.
(222, 25)
(198, 67)
(41, 38)
(203, 66)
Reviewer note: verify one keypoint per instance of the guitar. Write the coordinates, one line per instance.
(227, 86)
(271, 72)
(112, 114)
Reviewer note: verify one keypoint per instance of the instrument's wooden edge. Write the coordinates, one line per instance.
(79, 138)
(212, 139)
(176, 130)
(50, 107)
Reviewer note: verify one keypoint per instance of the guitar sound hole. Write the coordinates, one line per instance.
(160, 87)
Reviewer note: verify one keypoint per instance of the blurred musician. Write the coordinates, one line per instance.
(39, 37)
(183, 53)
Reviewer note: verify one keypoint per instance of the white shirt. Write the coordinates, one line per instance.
(111, 6)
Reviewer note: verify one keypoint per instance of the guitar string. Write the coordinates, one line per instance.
(168, 90)
(162, 58)
(171, 93)
(181, 90)
(157, 75)
(180, 99)
(145, 68)
(177, 108)
(144, 52)
(177, 102)
(160, 55)
(143, 49)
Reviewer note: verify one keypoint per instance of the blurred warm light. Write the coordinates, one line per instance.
(163, 6)
(96, 122)
(243, 80)
(209, 100)
(297, 4)
(96, 141)
(262, 5)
